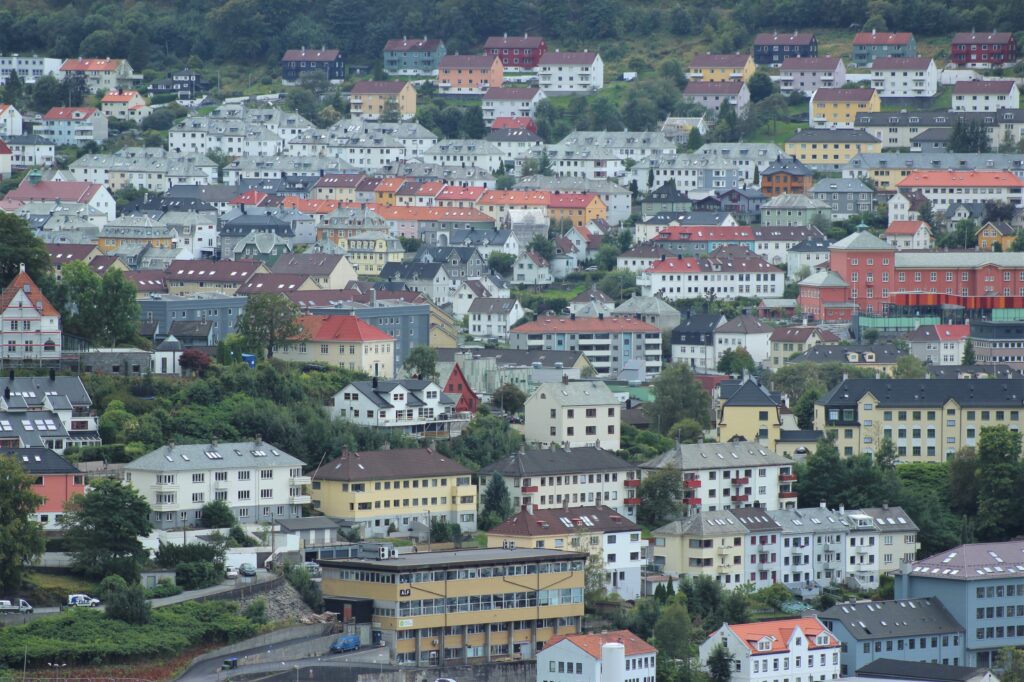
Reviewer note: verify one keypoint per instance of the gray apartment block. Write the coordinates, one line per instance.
(219, 309)
(845, 196)
(408, 323)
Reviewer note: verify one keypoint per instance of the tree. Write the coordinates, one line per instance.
(217, 514)
(968, 358)
(487, 438)
(121, 311)
(686, 431)
(164, 117)
(618, 284)
(885, 457)
(804, 408)
(501, 263)
(509, 398)
(1018, 242)
(21, 538)
(909, 367)
(594, 589)
(999, 481)
(440, 530)
(497, 503)
(422, 362)
(760, 86)
(969, 136)
(677, 395)
(20, 246)
(736, 361)
(672, 631)
(542, 246)
(1011, 664)
(194, 361)
(128, 604)
(694, 140)
(821, 477)
(269, 320)
(962, 490)
(659, 496)
(102, 530)
(607, 255)
(720, 664)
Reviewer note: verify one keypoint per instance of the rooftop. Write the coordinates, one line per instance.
(894, 618)
(457, 557)
(689, 457)
(545, 522)
(369, 465)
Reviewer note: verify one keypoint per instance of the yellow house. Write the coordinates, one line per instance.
(749, 413)
(577, 209)
(838, 107)
(444, 330)
(386, 191)
(999, 232)
(715, 68)
(830, 148)
(709, 544)
(370, 251)
(388, 100)
(466, 605)
(134, 230)
(342, 341)
(789, 341)
(185, 277)
(406, 487)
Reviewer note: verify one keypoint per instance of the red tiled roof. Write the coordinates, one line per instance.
(147, 281)
(779, 633)
(310, 55)
(571, 200)
(527, 41)
(736, 61)
(310, 206)
(882, 38)
(378, 87)
(390, 184)
(4, 149)
(906, 227)
(544, 522)
(568, 58)
(515, 197)
(35, 295)
(511, 94)
(65, 253)
(431, 213)
(843, 94)
(70, 113)
(212, 271)
(124, 96)
(582, 325)
(340, 328)
(101, 263)
(272, 283)
(49, 190)
(592, 644)
(950, 178)
(90, 65)
(993, 87)
(250, 197)
(514, 122)
(973, 38)
(457, 193)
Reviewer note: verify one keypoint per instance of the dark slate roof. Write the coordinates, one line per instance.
(888, 668)
(787, 164)
(750, 394)
(443, 254)
(800, 436)
(190, 328)
(34, 389)
(412, 386)
(263, 222)
(894, 618)
(557, 460)
(370, 465)
(407, 271)
(811, 246)
(40, 461)
(1008, 393)
(885, 353)
(979, 371)
(701, 323)
(832, 135)
(206, 193)
(309, 523)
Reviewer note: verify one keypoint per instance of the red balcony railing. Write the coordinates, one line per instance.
(740, 480)
(632, 500)
(692, 501)
(530, 488)
(691, 483)
(739, 498)
(633, 483)
(787, 493)
(787, 477)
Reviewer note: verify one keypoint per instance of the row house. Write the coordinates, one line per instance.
(775, 48)
(413, 57)
(986, 95)
(983, 50)
(610, 343)
(469, 74)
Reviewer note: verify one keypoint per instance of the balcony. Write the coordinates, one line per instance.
(165, 507)
(530, 488)
(723, 550)
(787, 477)
(741, 480)
(691, 483)
(787, 494)
(632, 501)
(299, 499)
(300, 480)
(165, 487)
(633, 483)
(692, 501)
(740, 498)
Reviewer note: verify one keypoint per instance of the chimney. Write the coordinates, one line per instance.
(53, 374)
(375, 382)
(565, 379)
(822, 505)
(565, 502)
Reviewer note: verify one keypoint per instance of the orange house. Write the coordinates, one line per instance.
(998, 232)
(56, 481)
(575, 208)
(386, 191)
(496, 202)
(457, 385)
(469, 74)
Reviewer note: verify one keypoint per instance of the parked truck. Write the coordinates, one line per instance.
(15, 606)
(345, 643)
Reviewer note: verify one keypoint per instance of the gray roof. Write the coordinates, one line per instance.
(704, 524)
(885, 353)
(979, 561)
(840, 185)
(823, 278)
(889, 668)
(862, 240)
(645, 305)
(809, 520)
(893, 618)
(458, 557)
(413, 387)
(577, 393)
(928, 393)
(689, 457)
(557, 460)
(40, 461)
(743, 324)
(492, 306)
(791, 202)
(209, 456)
(832, 135)
(35, 389)
(755, 519)
(309, 523)
(811, 246)
(510, 357)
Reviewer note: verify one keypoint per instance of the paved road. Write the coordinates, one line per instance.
(208, 670)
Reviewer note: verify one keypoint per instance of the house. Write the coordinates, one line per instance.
(796, 210)
(804, 257)
(56, 481)
(796, 644)
(881, 357)
(493, 318)
(830, 149)
(405, 57)
(838, 107)
(650, 309)
(727, 275)
(808, 74)
(720, 67)
(342, 341)
(939, 344)
(488, 369)
(985, 50)
(100, 75)
(555, 599)
(370, 252)
(387, 100)
(748, 412)
(469, 74)
(458, 385)
(297, 63)
(255, 479)
(11, 121)
(845, 196)
(186, 84)
(786, 175)
(775, 48)
(904, 77)
(73, 126)
(591, 300)
(568, 72)
(417, 407)
(868, 48)
(928, 420)
(615, 655)
(532, 269)
(375, 490)
(789, 341)
(29, 324)
(28, 67)
(909, 235)
(515, 52)
(225, 277)
(611, 342)
(693, 341)
(462, 261)
(967, 580)
(578, 209)
(126, 105)
(326, 270)
(600, 530)
(997, 232)
(501, 102)
(743, 331)
(987, 95)
(573, 414)
(712, 95)
(28, 151)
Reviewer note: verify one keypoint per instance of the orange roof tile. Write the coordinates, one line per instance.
(90, 65)
(35, 295)
(430, 213)
(310, 206)
(340, 328)
(950, 178)
(780, 632)
(390, 184)
(70, 113)
(562, 324)
(571, 200)
(908, 227)
(591, 644)
(455, 193)
(123, 96)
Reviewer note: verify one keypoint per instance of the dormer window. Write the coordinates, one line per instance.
(822, 639)
(764, 644)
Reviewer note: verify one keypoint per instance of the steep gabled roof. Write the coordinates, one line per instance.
(23, 283)
(591, 644)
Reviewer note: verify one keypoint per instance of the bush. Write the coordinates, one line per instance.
(195, 575)
(110, 585)
(242, 539)
(128, 605)
(299, 578)
(217, 514)
(256, 611)
(169, 556)
(165, 587)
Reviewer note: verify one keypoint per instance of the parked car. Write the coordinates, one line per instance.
(313, 568)
(82, 600)
(345, 643)
(16, 606)
(231, 572)
(247, 569)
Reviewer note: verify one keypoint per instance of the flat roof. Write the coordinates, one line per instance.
(456, 557)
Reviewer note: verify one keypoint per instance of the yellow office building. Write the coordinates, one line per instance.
(464, 606)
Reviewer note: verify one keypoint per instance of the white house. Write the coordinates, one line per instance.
(990, 95)
(807, 74)
(492, 318)
(28, 67)
(29, 324)
(511, 103)
(532, 269)
(11, 122)
(563, 72)
(73, 125)
(805, 257)
(166, 358)
(913, 235)
(795, 648)
(573, 414)
(127, 105)
(414, 406)
(616, 656)
(258, 481)
(465, 153)
(725, 278)
(744, 331)
(904, 77)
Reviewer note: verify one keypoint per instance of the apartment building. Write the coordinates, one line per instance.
(939, 344)
(468, 605)
(197, 276)
(984, 50)
(516, 52)
(389, 100)
(693, 341)
(721, 67)
(775, 48)
(909, 235)
(73, 125)
(469, 74)
(412, 56)
(556, 478)
(808, 74)
(870, 47)
(28, 67)
(998, 341)
(404, 488)
(501, 102)
(985, 95)
(598, 530)
(725, 276)
(568, 72)
(573, 414)
(827, 149)
(777, 648)
(257, 481)
(416, 407)
(611, 344)
(944, 188)
(341, 341)
(928, 420)
(904, 77)
(838, 107)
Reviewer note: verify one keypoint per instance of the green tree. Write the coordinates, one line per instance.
(686, 431)
(509, 398)
(962, 492)
(760, 86)
(885, 456)
(440, 530)
(1011, 664)
(659, 495)
(720, 664)
(821, 476)
(21, 538)
(803, 409)
(542, 246)
(217, 514)
(999, 484)
(678, 395)
(497, 503)
(1018, 242)
(269, 320)
(909, 367)
(501, 263)
(101, 309)
(694, 140)
(607, 255)
(672, 631)
(619, 284)
(969, 136)
(128, 604)
(594, 587)
(21, 246)
(102, 530)
(487, 438)
(422, 362)
(736, 361)
(968, 356)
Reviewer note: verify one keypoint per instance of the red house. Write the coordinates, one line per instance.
(56, 481)
(516, 52)
(993, 48)
(458, 385)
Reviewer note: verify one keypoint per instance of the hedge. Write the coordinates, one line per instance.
(195, 575)
(169, 556)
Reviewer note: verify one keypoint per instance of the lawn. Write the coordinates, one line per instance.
(52, 589)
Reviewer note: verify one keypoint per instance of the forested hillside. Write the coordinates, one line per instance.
(157, 34)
